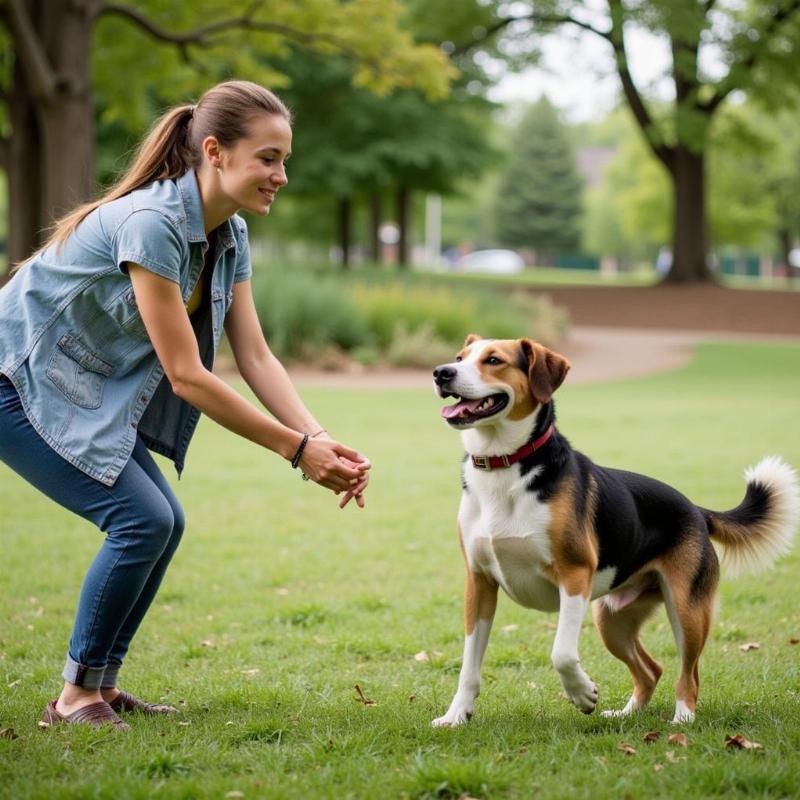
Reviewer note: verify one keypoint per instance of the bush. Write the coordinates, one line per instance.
(301, 310)
(407, 320)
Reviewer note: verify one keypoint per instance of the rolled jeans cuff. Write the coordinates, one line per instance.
(81, 675)
(110, 676)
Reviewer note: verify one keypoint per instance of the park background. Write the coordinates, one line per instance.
(649, 187)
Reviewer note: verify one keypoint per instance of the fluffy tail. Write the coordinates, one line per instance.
(762, 526)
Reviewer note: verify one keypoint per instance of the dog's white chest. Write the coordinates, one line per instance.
(504, 529)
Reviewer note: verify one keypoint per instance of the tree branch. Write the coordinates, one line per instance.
(41, 78)
(635, 101)
(727, 84)
(542, 19)
(202, 35)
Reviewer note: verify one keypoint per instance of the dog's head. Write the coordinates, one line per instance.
(497, 379)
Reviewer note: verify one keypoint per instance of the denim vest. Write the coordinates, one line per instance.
(72, 340)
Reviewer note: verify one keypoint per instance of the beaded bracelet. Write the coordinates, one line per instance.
(299, 454)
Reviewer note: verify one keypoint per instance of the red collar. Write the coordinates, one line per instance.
(489, 463)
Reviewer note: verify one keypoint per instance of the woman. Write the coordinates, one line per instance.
(107, 338)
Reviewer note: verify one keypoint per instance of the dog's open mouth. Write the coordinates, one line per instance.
(466, 411)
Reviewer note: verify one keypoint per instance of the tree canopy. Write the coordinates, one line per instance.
(539, 201)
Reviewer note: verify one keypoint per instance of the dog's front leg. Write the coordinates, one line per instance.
(574, 598)
(480, 603)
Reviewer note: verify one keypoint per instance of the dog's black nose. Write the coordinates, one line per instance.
(443, 375)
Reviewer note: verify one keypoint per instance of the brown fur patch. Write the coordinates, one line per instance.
(546, 370)
(572, 542)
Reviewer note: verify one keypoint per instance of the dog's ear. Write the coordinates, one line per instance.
(546, 370)
(473, 337)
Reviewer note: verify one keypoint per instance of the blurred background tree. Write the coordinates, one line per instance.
(752, 45)
(539, 203)
(54, 54)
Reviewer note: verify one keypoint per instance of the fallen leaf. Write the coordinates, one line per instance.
(207, 643)
(794, 641)
(184, 724)
(624, 747)
(282, 591)
(651, 736)
(678, 738)
(422, 656)
(362, 698)
(234, 793)
(42, 724)
(658, 767)
(738, 741)
(509, 628)
(250, 672)
(747, 646)
(412, 698)
(15, 683)
(8, 733)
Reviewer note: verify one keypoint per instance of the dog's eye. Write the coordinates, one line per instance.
(458, 358)
(493, 361)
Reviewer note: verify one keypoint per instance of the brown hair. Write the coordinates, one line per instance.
(173, 145)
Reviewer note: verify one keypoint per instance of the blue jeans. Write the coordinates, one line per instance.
(143, 522)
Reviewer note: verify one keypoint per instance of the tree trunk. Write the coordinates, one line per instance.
(403, 223)
(23, 172)
(375, 249)
(52, 128)
(66, 120)
(344, 214)
(785, 244)
(689, 242)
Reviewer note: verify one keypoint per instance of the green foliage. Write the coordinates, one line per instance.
(539, 202)
(271, 711)
(374, 34)
(629, 213)
(300, 310)
(753, 171)
(407, 320)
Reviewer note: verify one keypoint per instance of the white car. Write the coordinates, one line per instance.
(498, 262)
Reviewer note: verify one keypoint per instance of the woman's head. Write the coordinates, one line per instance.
(178, 141)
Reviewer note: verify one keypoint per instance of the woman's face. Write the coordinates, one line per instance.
(254, 168)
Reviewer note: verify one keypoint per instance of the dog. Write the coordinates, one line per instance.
(556, 532)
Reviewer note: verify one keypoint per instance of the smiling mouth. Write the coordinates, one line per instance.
(466, 410)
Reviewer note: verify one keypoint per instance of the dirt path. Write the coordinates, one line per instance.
(622, 332)
(596, 353)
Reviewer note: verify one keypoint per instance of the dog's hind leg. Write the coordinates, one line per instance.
(480, 603)
(619, 631)
(689, 600)
(574, 591)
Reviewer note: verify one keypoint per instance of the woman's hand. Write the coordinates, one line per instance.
(357, 491)
(336, 467)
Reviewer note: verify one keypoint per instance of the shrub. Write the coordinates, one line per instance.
(408, 320)
(300, 310)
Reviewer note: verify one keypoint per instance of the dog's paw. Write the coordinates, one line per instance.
(683, 714)
(453, 718)
(631, 707)
(582, 692)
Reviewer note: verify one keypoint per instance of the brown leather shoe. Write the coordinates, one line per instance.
(127, 702)
(95, 714)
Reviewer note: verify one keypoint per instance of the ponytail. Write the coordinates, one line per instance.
(174, 145)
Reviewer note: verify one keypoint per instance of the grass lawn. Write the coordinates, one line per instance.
(277, 605)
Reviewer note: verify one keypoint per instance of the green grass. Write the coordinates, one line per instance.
(277, 604)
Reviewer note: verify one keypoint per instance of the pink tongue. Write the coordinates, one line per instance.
(465, 406)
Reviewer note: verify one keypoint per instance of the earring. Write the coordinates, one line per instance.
(218, 168)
